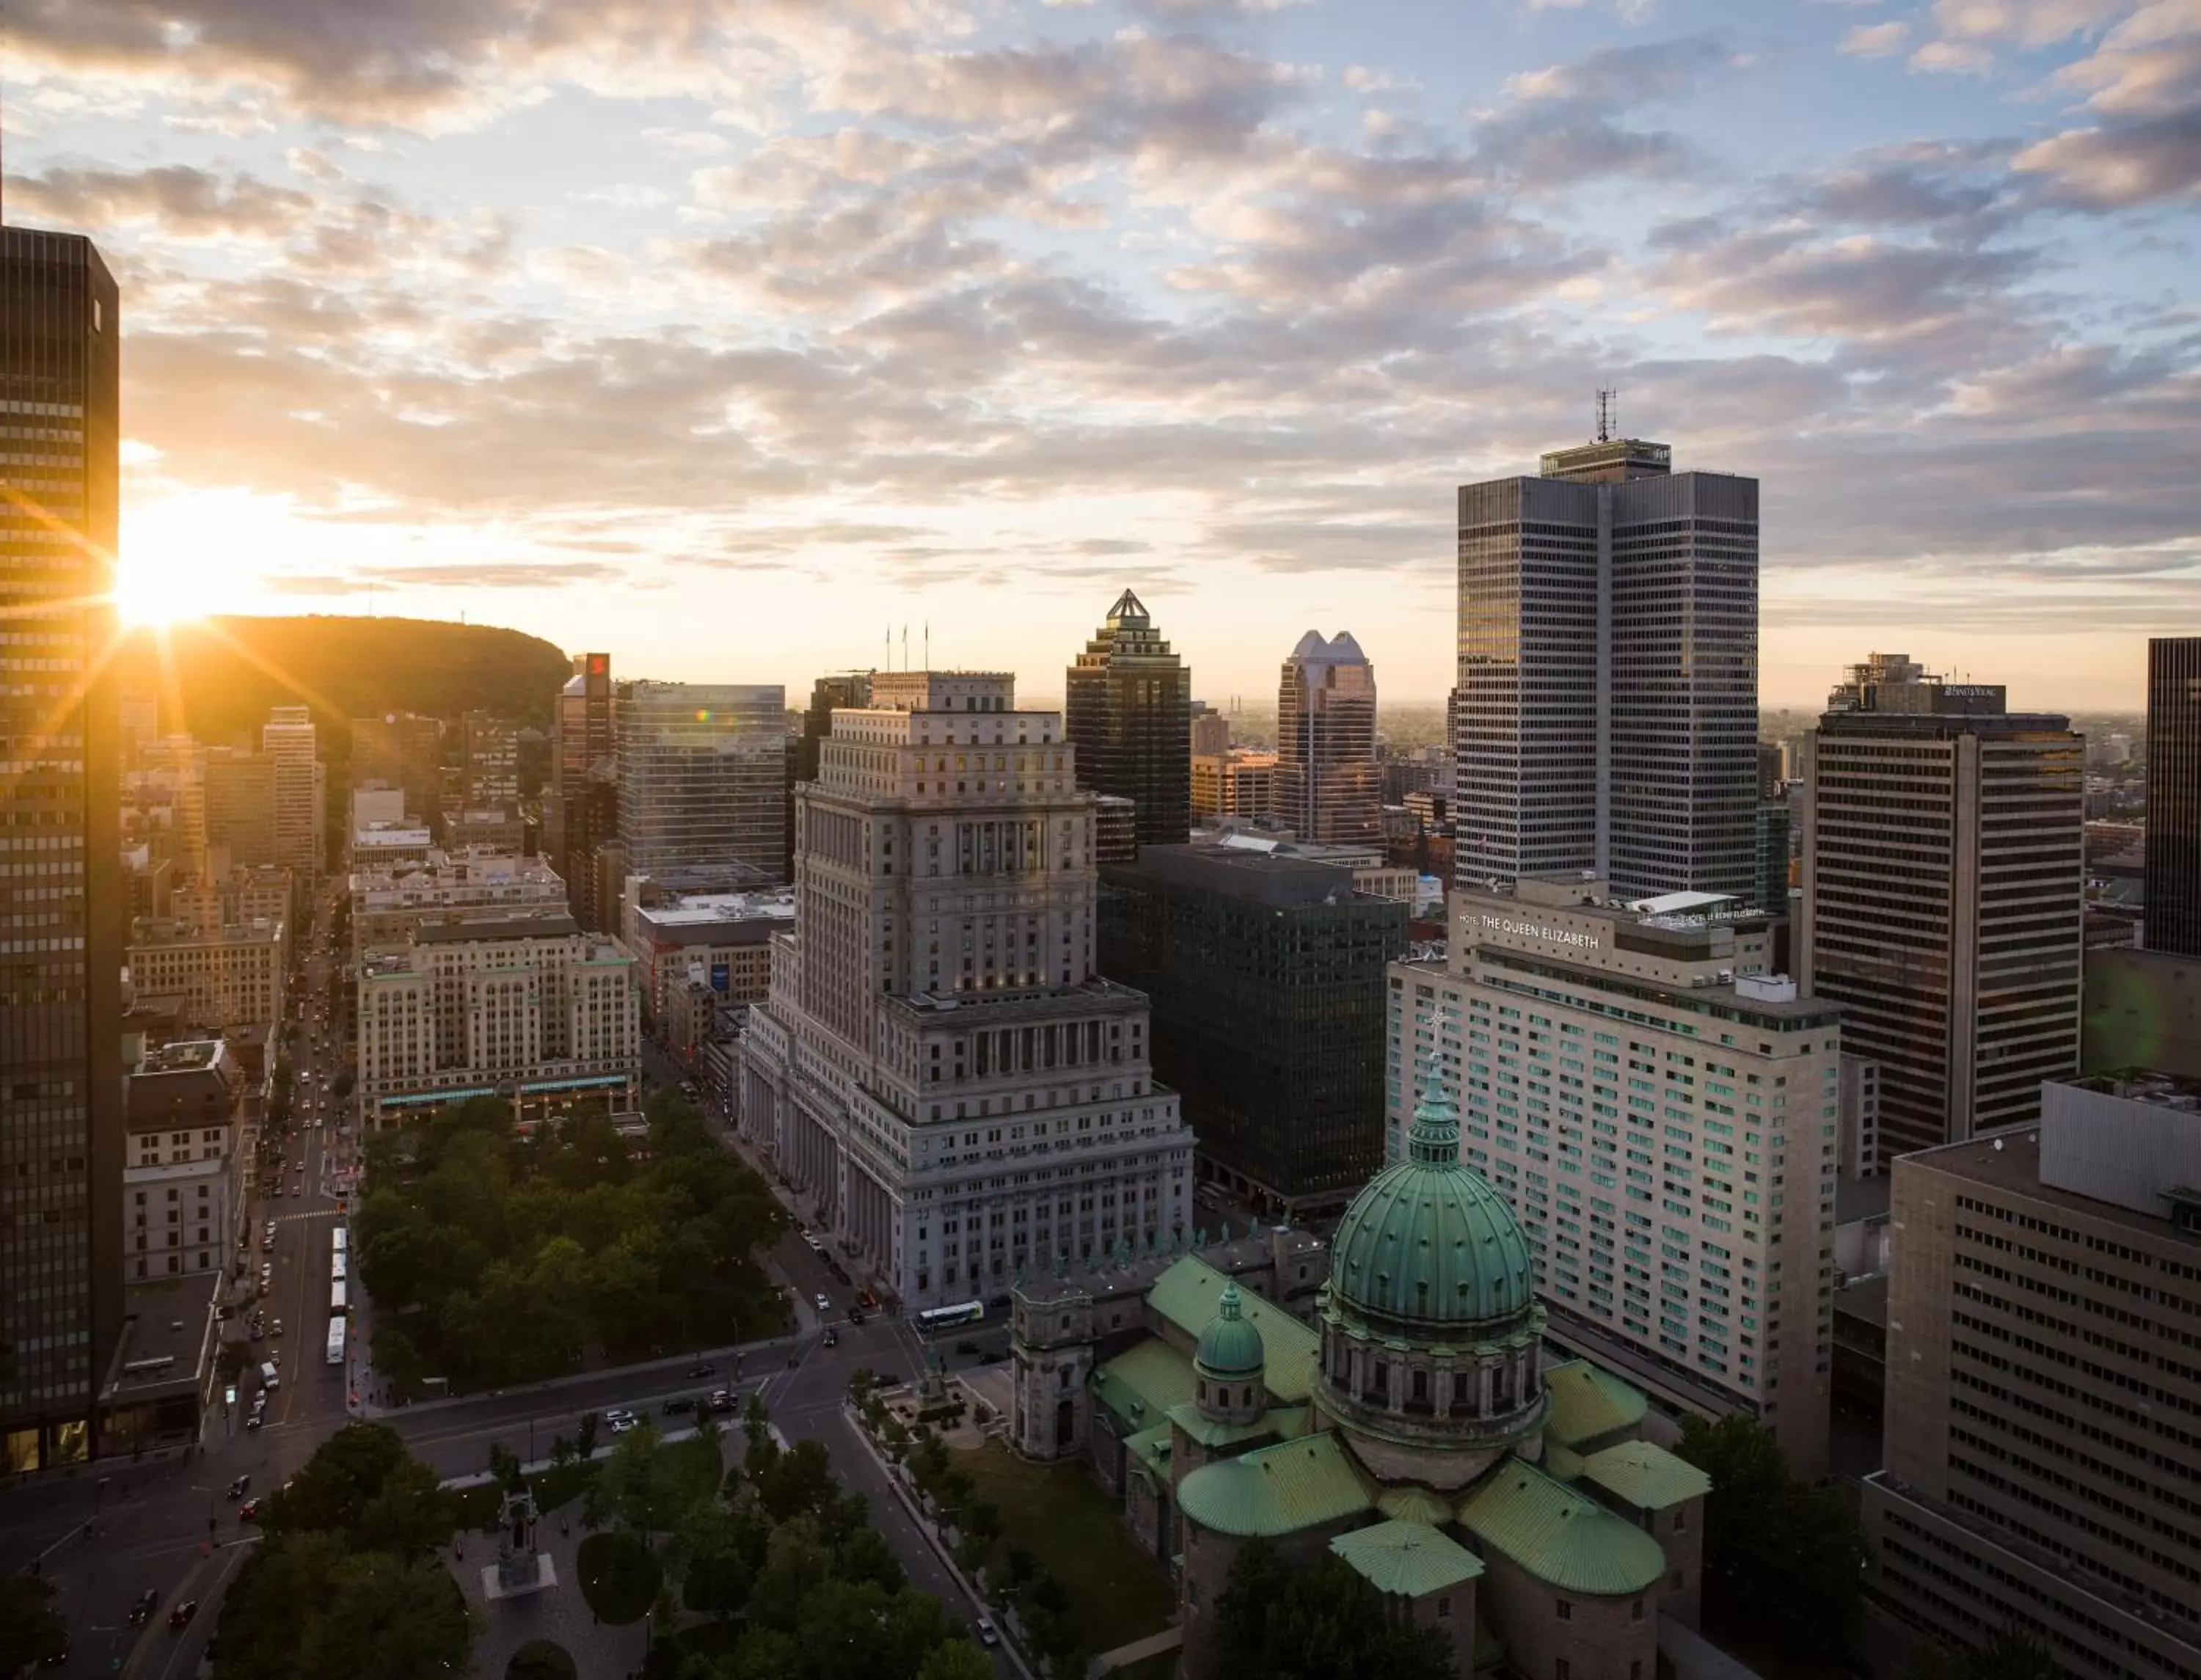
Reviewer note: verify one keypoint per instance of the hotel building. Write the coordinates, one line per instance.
(937, 1061)
(1661, 1114)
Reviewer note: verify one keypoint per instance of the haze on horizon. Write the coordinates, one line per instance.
(726, 334)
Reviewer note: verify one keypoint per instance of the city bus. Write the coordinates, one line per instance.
(336, 1241)
(336, 1341)
(336, 1267)
(944, 1318)
(336, 1306)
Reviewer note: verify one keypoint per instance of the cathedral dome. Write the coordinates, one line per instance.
(1428, 1246)
(1229, 1349)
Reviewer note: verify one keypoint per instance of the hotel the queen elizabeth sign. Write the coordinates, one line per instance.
(1557, 936)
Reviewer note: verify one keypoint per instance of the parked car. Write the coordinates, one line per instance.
(180, 1617)
(277, 1329)
(987, 1636)
(142, 1611)
(722, 1399)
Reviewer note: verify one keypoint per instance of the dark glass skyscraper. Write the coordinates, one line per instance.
(61, 1006)
(581, 811)
(1330, 789)
(2173, 796)
(1605, 716)
(1128, 710)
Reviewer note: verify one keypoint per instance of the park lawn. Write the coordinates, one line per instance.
(1118, 1594)
(619, 1577)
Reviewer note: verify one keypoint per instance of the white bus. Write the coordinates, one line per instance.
(337, 1241)
(336, 1341)
(942, 1318)
(336, 1267)
(335, 1300)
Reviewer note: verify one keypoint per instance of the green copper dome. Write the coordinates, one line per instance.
(1230, 1347)
(1430, 1243)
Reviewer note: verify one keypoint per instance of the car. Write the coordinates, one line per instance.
(181, 1616)
(824, 1303)
(830, 1339)
(679, 1404)
(815, 1246)
(237, 1488)
(722, 1399)
(142, 1611)
(249, 1512)
(987, 1636)
(277, 1329)
(257, 1332)
(621, 1425)
(705, 1369)
(855, 1315)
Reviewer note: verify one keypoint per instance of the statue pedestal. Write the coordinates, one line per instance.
(516, 1578)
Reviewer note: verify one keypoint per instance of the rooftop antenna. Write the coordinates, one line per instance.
(928, 644)
(1604, 399)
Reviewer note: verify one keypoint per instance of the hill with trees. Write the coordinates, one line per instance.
(218, 677)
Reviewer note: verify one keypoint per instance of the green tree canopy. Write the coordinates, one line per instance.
(30, 1630)
(1322, 1622)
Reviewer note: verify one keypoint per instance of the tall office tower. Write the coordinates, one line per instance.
(937, 1061)
(1329, 788)
(1127, 711)
(2044, 1386)
(1210, 735)
(1660, 1109)
(702, 780)
(581, 809)
(240, 805)
(404, 750)
(1770, 877)
(1943, 902)
(62, 891)
(1605, 716)
(287, 737)
(187, 804)
(489, 762)
(2172, 921)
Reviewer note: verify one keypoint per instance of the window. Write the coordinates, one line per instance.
(1565, 1608)
(1560, 1671)
(1681, 1519)
(1444, 1605)
(1635, 1611)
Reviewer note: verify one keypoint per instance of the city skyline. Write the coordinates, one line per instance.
(1252, 287)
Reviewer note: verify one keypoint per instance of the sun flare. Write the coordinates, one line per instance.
(147, 592)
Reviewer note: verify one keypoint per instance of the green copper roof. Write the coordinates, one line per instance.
(1587, 1403)
(1558, 1535)
(1277, 1490)
(1648, 1476)
(1147, 1452)
(1231, 1348)
(1185, 1295)
(1408, 1558)
(1428, 1241)
(1276, 1424)
(1415, 1505)
(1140, 1385)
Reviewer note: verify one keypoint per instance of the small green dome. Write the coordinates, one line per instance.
(1428, 1242)
(1230, 1347)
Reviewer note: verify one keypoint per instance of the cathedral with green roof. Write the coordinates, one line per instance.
(1415, 1431)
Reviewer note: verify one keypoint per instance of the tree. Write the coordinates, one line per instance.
(30, 1630)
(956, 1660)
(331, 1493)
(632, 1489)
(1783, 1556)
(504, 1467)
(796, 1561)
(707, 1554)
(586, 1445)
(1322, 1622)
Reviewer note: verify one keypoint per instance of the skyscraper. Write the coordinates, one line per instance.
(61, 1006)
(240, 806)
(1329, 787)
(702, 780)
(287, 737)
(937, 1062)
(580, 812)
(1943, 897)
(2173, 917)
(489, 761)
(1606, 714)
(1127, 709)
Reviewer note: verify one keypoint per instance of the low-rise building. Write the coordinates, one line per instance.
(226, 976)
(727, 935)
(1662, 1114)
(525, 1006)
(1236, 782)
(389, 902)
(184, 1114)
(493, 829)
(2043, 1462)
(386, 845)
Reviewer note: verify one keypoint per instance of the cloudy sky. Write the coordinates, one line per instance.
(725, 334)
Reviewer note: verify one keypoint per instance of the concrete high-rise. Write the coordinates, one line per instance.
(489, 762)
(1328, 786)
(61, 892)
(240, 806)
(1127, 711)
(2042, 1469)
(1660, 1110)
(937, 1062)
(1606, 714)
(2173, 881)
(288, 738)
(1943, 902)
(702, 781)
(580, 811)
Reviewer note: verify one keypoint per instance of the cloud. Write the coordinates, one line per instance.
(1953, 58)
(1558, 127)
(2116, 166)
(179, 202)
(1875, 40)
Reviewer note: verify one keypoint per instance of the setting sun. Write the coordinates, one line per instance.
(148, 592)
